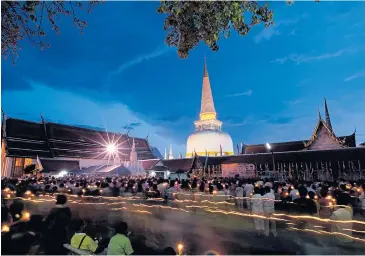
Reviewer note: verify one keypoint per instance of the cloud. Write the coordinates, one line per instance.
(304, 82)
(305, 58)
(70, 108)
(294, 32)
(268, 33)
(294, 102)
(156, 53)
(246, 93)
(354, 76)
(261, 120)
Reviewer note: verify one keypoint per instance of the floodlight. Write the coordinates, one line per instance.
(62, 173)
(153, 174)
(111, 148)
(268, 146)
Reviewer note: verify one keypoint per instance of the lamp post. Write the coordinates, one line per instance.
(268, 146)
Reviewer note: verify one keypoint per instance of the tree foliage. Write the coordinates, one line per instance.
(26, 19)
(189, 22)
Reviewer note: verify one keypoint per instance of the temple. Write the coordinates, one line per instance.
(324, 156)
(208, 139)
(54, 147)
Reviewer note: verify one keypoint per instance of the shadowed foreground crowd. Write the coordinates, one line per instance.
(22, 233)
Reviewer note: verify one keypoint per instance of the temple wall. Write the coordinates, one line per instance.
(85, 162)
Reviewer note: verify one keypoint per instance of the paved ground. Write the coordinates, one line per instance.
(200, 231)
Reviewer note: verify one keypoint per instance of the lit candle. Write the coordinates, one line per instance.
(180, 247)
(26, 215)
(5, 228)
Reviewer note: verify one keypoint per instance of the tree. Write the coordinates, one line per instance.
(189, 22)
(27, 19)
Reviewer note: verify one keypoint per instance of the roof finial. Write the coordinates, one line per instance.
(165, 157)
(328, 120)
(319, 115)
(171, 156)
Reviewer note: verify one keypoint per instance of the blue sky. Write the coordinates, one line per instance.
(267, 86)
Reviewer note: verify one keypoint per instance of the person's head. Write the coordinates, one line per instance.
(211, 189)
(257, 190)
(80, 225)
(311, 194)
(172, 183)
(302, 191)
(121, 228)
(342, 187)
(61, 199)
(267, 189)
(202, 187)
(343, 201)
(324, 192)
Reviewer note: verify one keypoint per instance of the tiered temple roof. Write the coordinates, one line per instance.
(323, 137)
(50, 140)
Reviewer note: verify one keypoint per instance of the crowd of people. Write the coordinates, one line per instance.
(329, 200)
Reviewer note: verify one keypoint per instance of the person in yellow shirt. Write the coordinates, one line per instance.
(81, 240)
(120, 244)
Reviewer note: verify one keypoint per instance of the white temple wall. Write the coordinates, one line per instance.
(84, 162)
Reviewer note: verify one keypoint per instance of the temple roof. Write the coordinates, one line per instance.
(343, 141)
(47, 140)
(176, 164)
(276, 147)
(149, 164)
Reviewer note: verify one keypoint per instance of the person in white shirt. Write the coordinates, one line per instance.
(239, 193)
(294, 193)
(343, 213)
(162, 185)
(362, 199)
(248, 188)
(258, 209)
(269, 209)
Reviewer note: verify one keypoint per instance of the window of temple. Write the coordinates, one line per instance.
(28, 161)
(19, 162)
(18, 167)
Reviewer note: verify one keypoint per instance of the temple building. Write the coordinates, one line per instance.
(51, 148)
(208, 138)
(324, 156)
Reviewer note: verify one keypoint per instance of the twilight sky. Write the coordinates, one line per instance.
(267, 86)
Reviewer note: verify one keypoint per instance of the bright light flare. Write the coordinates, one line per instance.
(268, 146)
(62, 173)
(111, 149)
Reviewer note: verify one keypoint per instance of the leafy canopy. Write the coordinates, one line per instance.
(26, 19)
(189, 22)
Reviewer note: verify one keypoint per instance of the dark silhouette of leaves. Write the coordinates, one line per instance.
(189, 22)
(24, 19)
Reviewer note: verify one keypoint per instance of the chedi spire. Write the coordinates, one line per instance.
(207, 110)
